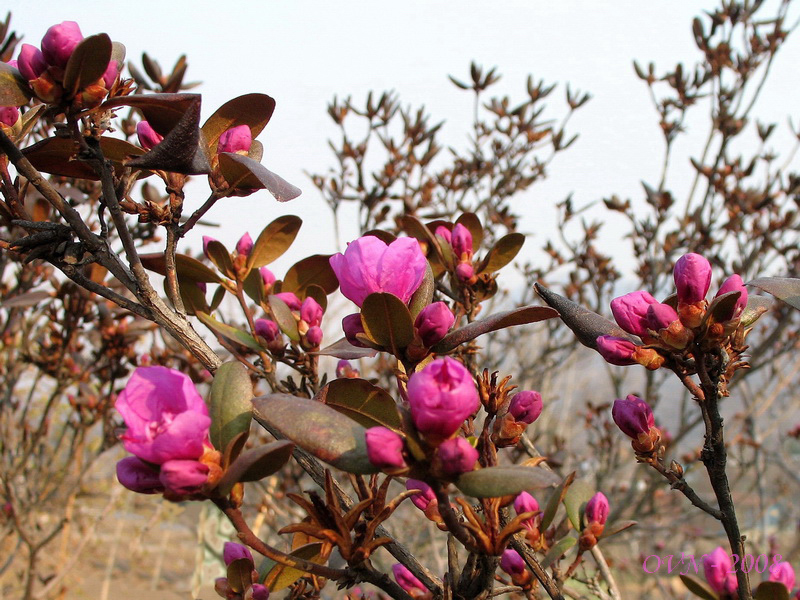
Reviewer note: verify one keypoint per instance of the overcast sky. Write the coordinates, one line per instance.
(303, 52)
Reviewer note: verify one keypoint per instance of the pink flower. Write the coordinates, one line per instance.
(465, 271)
(597, 509)
(369, 265)
(457, 456)
(734, 283)
(259, 591)
(267, 329)
(183, 476)
(512, 563)
(149, 138)
(352, 325)
(406, 580)
(445, 233)
(267, 277)
(110, 74)
(633, 416)
(526, 406)
(630, 311)
(719, 572)
(236, 139)
(441, 396)
(167, 419)
(385, 448)
(311, 312)
(233, 551)
(615, 350)
(692, 276)
(524, 503)
(138, 476)
(782, 572)
(9, 115)
(461, 241)
(433, 323)
(660, 316)
(426, 495)
(60, 41)
(31, 63)
(245, 244)
(314, 336)
(207, 239)
(291, 300)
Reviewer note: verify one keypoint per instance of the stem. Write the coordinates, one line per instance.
(450, 518)
(536, 568)
(602, 566)
(680, 484)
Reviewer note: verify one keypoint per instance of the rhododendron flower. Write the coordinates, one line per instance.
(148, 139)
(236, 139)
(183, 476)
(60, 41)
(406, 580)
(526, 406)
(433, 322)
(719, 572)
(441, 396)
(426, 495)
(9, 115)
(457, 456)
(512, 563)
(630, 311)
(783, 572)
(597, 509)
(138, 476)
(290, 299)
(385, 448)
(31, 63)
(734, 283)
(233, 551)
(245, 244)
(524, 503)
(633, 416)
(692, 276)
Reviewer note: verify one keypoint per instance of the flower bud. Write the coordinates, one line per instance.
(719, 572)
(9, 115)
(138, 476)
(291, 300)
(345, 370)
(734, 283)
(110, 74)
(441, 396)
(259, 592)
(524, 503)
(267, 329)
(31, 63)
(245, 245)
(445, 233)
(633, 416)
(311, 312)
(352, 325)
(526, 406)
(433, 322)
(222, 587)
(233, 551)
(597, 509)
(183, 476)
(465, 271)
(692, 276)
(663, 320)
(267, 277)
(782, 572)
(622, 352)
(461, 241)
(207, 239)
(59, 42)
(406, 580)
(314, 336)
(235, 139)
(630, 311)
(385, 448)
(149, 138)
(512, 562)
(457, 456)
(426, 495)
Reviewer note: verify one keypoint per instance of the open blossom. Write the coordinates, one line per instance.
(236, 139)
(630, 311)
(369, 265)
(441, 396)
(719, 572)
(385, 448)
(167, 418)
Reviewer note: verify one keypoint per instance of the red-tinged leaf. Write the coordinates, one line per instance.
(284, 317)
(330, 436)
(243, 173)
(558, 550)
(511, 318)
(493, 482)
(273, 241)
(230, 404)
(699, 587)
(14, 90)
(344, 349)
(316, 270)
(502, 253)
(365, 403)
(254, 110)
(58, 156)
(585, 324)
(255, 464)
(387, 321)
(473, 224)
(280, 576)
(185, 265)
(230, 333)
(783, 288)
(87, 63)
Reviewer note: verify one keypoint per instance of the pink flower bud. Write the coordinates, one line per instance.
(149, 138)
(734, 283)
(259, 592)
(633, 416)
(183, 476)
(110, 74)
(433, 323)
(291, 300)
(597, 509)
(31, 63)
(233, 551)
(512, 562)
(660, 316)
(352, 325)
(406, 580)
(60, 41)
(719, 572)
(9, 115)
(782, 572)
(444, 232)
(245, 245)
(630, 311)
(345, 369)
(615, 350)
(524, 502)
(314, 335)
(385, 448)
(267, 277)
(311, 312)
(465, 271)
(369, 265)
(441, 396)
(236, 139)
(457, 456)
(692, 276)
(267, 329)
(207, 239)
(461, 241)
(138, 476)
(426, 495)
(526, 406)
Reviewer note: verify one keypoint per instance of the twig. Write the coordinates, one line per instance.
(536, 568)
(605, 572)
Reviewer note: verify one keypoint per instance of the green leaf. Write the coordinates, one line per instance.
(87, 63)
(756, 306)
(253, 286)
(493, 482)
(273, 241)
(699, 587)
(473, 223)
(243, 173)
(511, 318)
(281, 576)
(58, 156)
(216, 299)
(284, 317)
(186, 266)
(327, 434)
(14, 89)
(365, 403)
(783, 288)
(219, 255)
(578, 494)
(344, 349)
(231, 333)
(558, 550)
(585, 324)
(554, 501)
(424, 294)
(254, 110)
(771, 590)
(315, 269)
(230, 404)
(255, 464)
(387, 321)
(502, 253)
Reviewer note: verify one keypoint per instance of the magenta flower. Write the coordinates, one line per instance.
(719, 572)
(352, 325)
(267, 329)
(692, 276)
(465, 271)
(236, 139)
(149, 138)
(291, 300)
(369, 265)
(633, 416)
(183, 476)
(233, 551)
(524, 503)
(345, 369)
(406, 580)
(734, 283)
(259, 592)
(782, 572)
(512, 563)
(597, 509)
(138, 476)
(31, 63)
(110, 74)
(311, 312)
(9, 115)
(267, 277)
(457, 456)
(60, 41)
(461, 241)
(167, 419)
(441, 396)
(426, 495)
(630, 311)
(207, 239)
(444, 232)
(660, 316)
(245, 244)
(615, 350)
(314, 336)
(433, 323)
(526, 406)
(385, 448)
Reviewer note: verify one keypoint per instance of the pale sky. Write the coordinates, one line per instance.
(303, 52)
